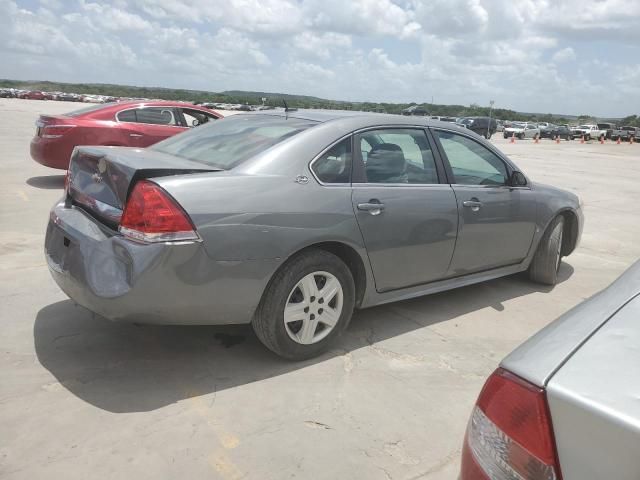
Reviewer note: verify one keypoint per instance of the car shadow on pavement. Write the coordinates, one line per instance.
(47, 182)
(122, 367)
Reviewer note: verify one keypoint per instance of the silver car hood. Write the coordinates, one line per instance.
(542, 355)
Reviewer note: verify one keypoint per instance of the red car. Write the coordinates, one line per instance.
(34, 95)
(127, 124)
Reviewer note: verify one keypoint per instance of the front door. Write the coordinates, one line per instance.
(497, 222)
(407, 218)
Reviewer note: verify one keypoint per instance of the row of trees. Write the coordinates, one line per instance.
(294, 101)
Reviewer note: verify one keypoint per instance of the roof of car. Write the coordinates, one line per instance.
(365, 117)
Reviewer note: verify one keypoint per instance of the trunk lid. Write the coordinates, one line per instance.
(49, 120)
(100, 178)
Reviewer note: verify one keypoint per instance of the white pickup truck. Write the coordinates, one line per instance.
(589, 132)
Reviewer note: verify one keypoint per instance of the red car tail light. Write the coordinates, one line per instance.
(510, 435)
(55, 131)
(151, 215)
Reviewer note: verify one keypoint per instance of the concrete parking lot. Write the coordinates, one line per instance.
(81, 397)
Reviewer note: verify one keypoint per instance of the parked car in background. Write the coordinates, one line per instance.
(589, 132)
(127, 124)
(415, 110)
(625, 133)
(483, 126)
(565, 403)
(557, 131)
(608, 128)
(242, 222)
(6, 93)
(499, 126)
(33, 95)
(522, 131)
(444, 119)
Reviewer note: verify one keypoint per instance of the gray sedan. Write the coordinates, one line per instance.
(290, 220)
(565, 403)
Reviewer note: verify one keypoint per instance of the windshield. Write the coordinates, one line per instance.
(585, 126)
(229, 142)
(92, 108)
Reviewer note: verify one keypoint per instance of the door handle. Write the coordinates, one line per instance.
(474, 204)
(374, 208)
(135, 135)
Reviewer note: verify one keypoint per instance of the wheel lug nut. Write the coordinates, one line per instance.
(320, 311)
(321, 301)
(313, 317)
(306, 309)
(313, 299)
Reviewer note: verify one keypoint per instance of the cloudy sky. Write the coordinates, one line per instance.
(560, 56)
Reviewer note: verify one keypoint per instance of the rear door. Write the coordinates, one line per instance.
(148, 125)
(408, 219)
(497, 222)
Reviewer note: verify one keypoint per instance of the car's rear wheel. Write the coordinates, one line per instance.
(546, 261)
(308, 303)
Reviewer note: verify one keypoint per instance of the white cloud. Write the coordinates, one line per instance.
(564, 55)
(526, 54)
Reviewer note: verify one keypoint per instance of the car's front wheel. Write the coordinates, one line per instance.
(307, 303)
(546, 261)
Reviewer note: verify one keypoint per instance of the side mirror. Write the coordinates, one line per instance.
(195, 122)
(517, 179)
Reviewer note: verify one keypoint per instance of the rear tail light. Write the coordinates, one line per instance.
(55, 131)
(151, 215)
(510, 435)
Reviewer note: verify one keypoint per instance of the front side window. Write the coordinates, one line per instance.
(194, 118)
(335, 165)
(229, 143)
(397, 156)
(471, 162)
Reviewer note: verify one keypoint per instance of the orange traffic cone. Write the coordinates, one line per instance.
(513, 138)
(630, 140)
(582, 139)
(618, 142)
(558, 139)
(601, 140)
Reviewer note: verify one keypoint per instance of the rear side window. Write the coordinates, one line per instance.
(156, 116)
(335, 165)
(397, 156)
(127, 116)
(149, 115)
(227, 143)
(472, 163)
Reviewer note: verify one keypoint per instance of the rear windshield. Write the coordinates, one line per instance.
(92, 108)
(227, 143)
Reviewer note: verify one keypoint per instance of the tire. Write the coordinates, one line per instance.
(521, 136)
(570, 137)
(292, 340)
(546, 261)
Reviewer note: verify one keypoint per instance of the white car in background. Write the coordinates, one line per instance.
(589, 132)
(522, 131)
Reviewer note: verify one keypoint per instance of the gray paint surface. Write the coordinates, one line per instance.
(254, 217)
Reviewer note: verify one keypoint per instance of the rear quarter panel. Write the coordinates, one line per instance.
(594, 401)
(260, 217)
